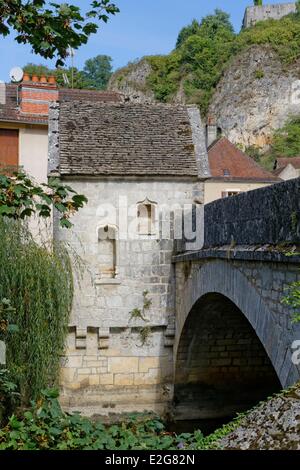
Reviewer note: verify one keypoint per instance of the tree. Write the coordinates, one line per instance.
(51, 28)
(258, 3)
(210, 25)
(21, 198)
(98, 71)
(187, 31)
(216, 24)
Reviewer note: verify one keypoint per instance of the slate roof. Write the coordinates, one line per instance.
(128, 139)
(10, 112)
(226, 161)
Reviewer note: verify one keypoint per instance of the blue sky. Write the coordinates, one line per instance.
(143, 27)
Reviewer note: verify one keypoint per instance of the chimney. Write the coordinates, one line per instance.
(211, 130)
(2, 93)
(36, 95)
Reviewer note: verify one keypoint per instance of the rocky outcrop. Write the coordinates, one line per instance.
(274, 425)
(256, 95)
(131, 81)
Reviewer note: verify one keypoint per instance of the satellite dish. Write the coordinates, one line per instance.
(16, 74)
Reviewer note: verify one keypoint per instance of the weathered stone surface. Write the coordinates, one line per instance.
(275, 425)
(248, 108)
(254, 14)
(271, 213)
(131, 81)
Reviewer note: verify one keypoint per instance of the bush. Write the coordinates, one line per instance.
(9, 396)
(46, 427)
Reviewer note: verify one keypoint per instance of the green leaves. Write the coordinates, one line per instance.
(46, 426)
(51, 30)
(292, 299)
(21, 198)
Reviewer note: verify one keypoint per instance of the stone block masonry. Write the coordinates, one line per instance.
(254, 14)
(115, 362)
(268, 215)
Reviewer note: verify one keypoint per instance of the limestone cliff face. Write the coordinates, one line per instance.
(256, 95)
(131, 81)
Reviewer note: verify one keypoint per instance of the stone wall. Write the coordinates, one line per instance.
(108, 366)
(254, 14)
(268, 215)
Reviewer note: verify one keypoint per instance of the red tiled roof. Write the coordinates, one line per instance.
(228, 162)
(9, 112)
(282, 162)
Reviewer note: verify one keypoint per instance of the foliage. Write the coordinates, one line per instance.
(97, 71)
(95, 75)
(286, 141)
(253, 152)
(137, 313)
(21, 198)
(39, 284)
(259, 74)
(46, 427)
(9, 395)
(205, 49)
(51, 28)
(202, 50)
(74, 75)
(258, 2)
(187, 31)
(292, 299)
(7, 312)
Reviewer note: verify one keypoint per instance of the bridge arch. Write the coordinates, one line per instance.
(221, 315)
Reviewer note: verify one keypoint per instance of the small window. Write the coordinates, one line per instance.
(230, 193)
(107, 252)
(146, 215)
(226, 172)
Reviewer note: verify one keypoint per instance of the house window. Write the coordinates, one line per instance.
(226, 172)
(108, 252)
(146, 215)
(230, 192)
(9, 149)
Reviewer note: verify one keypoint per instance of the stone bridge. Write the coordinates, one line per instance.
(234, 337)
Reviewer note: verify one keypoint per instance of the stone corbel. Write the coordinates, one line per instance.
(80, 338)
(169, 336)
(103, 338)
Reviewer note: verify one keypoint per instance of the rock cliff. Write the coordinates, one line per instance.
(131, 81)
(256, 94)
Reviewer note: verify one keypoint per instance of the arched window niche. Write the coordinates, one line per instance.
(108, 255)
(147, 217)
